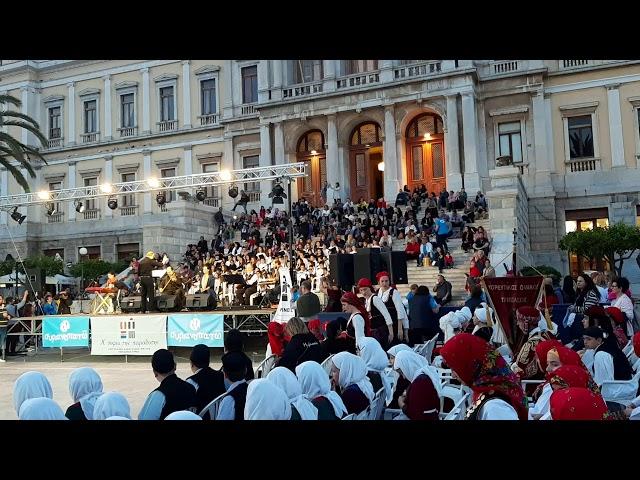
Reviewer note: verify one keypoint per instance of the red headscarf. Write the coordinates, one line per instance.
(315, 327)
(616, 314)
(577, 404)
(543, 348)
(365, 282)
(353, 299)
(484, 370)
(569, 376)
(569, 357)
(382, 274)
(275, 332)
(636, 344)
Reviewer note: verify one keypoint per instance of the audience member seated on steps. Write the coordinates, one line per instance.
(426, 250)
(232, 405)
(41, 409)
(209, 383)
(266, 401)
(172, 395)
(234, 342)
(30, 385)
(349, 378)
(467, 239)
(303, 346)
(85, 387)
(301, 407)
(442, 290)
(111, 404)
(377, 361)
(421, 400)
(315, 385)
(412, 250)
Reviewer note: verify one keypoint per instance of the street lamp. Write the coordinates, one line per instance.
(291, 246)
(82, 251)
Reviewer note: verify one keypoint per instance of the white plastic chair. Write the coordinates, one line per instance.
(458, 411)
(377, 405)
(628, 348)
(351, 416)
(213, 407)
(427, 352)
(266, 366)
(418, 348)
(364, 415)
(610, 389)
(391, 413)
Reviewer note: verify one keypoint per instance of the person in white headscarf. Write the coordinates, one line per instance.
(111, 404)
(85, 386)
(349, 376)
(40, 409)
(453, 322)
(316, 387)
(421, 400)
(301, 407)
(30, 385)
(393, 351)
(182, 415)
(117, 417)
(377, 361)
(266, 401)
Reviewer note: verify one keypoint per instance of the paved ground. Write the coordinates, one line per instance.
(133, 378)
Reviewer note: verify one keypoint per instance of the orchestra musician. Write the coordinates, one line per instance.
(207, 285)
(115, 285)
(171, 284)
(244, 292)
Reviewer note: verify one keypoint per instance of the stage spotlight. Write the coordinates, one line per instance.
(17, 216)
(161, 199)
(106, 188)
(112, 203)
(225, 175)
(201, 195)
(233, 191)
(277, 194)
(51, 209)
(153, 182)
(79, 206)
(44, 195)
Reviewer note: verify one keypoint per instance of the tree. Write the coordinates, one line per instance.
(12, 149)
(96, 268)
(615, 244)
(543, 269)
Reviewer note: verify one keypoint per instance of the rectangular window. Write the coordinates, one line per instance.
(167, 104)
(90, 116)
(212, 192)
(126, 251)
(251, 162)
(208, 96)
(437, 160)
(91, 203)
(51, 252)
(307, 70)
(580, 137)
(56, 186)
(170, 195)
(416, 160)
(361, 66)
(127, 112)
(55, 130)
(250, 84)
(361, 173)
(510, 140)
(93, 253)
(129, 200)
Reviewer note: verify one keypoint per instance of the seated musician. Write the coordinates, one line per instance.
(207, 285)
(171, 284)
(114, 285)
(244, 292)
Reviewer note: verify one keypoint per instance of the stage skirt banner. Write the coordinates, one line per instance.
(65, 331)
(189, 329)
(285, 309)
(128, 335)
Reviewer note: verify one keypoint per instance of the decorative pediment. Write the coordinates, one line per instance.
(167, 163)
(54, 177)
(166, 77)
(54, 98)
(127, 84)
(128, 168)
(90, 173)
(509, 110)
(207, 69)
(586, 108)
(89, 91)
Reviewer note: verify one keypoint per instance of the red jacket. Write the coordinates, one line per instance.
(412, 248)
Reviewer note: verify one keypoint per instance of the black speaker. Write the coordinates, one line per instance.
(399, 268)
(341, 269)
(131, 303)
(369, 262)
(197, 301)
(166, 302)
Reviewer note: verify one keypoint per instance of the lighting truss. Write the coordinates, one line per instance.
(274, 172)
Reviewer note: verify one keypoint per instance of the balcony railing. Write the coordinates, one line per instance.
(248, 109)
(212, 202)
(56, 218)
(301, 90)
(416, 70)
(358, 80)
(91, 214)
(127, 131)
(584, 165)
(564, 64)
(254, 196)
(55, 142)
(163, 207)
(90, 137)
(211, 119)
(168, 125)
(504, 66)
(129, 211)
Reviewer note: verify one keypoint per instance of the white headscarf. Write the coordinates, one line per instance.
(111, 404)
(183, 415)
(30, 385)
(454, 320)
(266, 401)
(85, 386)
(314, 382)
(353, 371)
(116, 417)
(285, 379)
(413, 365)
(393, 351)
(41, 409)
(376, 360)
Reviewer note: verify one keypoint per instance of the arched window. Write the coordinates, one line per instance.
(426, 123)
(366, 134)
(310, 141)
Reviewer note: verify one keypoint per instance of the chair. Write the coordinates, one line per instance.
(326, 364)
(213, 407)
(266, 366)
(391, 413)
(351, 416)
(628, 348)
(365, 414)
(455, 393)
(611, 390)
(418, 348)
(458, 411)
(377, 405)
(427, 352)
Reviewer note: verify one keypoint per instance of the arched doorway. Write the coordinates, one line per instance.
(425, 153)
(366, 165)
(310, 149)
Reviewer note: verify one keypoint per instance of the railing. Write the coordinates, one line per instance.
(56, 218)
(212, 202)
(573, 64)
(504, 66)
(248, 109)
(90, 137)
(168, 125)
(211, 119)
(163, 207)
(91, 214)
(127, 131)
(254, 196)
(129, 211)
(584, 165)
(301, 90)
(358, 79)
(55, 142)
(416, 70)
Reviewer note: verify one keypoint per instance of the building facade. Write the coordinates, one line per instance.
(571, 128)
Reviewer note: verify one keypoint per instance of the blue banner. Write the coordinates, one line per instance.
(65, 331)
(187, 330)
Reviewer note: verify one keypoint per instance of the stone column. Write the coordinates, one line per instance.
(386, 72)
(278, 140)
(186, 94)
(329, 75)
(108, 178)
(25, 111)
(615, 126)
(4, 190)
(146, 120)
(333, 162)
(265, 160)
(227, 100)
(549, 139)
(542, 162)
(227, 164)
(108, 135)
(263, 81)
(276, 92)
(71, 128)
(391, 184)
(452, 145)
(470, 139)
(146, 159)
(71, 173)
(188, 160)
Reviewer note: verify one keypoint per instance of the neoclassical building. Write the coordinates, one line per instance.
(570, 127)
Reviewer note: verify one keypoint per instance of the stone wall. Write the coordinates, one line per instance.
(544, 233)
